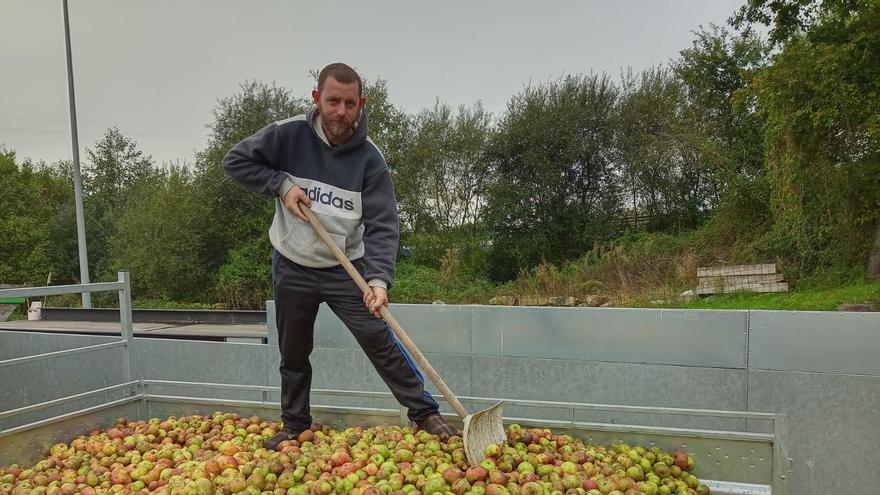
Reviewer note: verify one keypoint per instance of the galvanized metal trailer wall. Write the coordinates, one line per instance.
(821, 369)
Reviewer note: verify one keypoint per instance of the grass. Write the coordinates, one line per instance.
(642, 278)
(419, 288)
(18, 314)
(166, 304)
(809, 299)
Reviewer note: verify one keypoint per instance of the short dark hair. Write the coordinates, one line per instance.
(343, 74)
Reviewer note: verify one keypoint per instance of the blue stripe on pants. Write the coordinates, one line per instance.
(412, 365)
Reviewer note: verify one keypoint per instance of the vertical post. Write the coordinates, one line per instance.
(77, 177)
(271, 341)
(126, 320)
(142, 405)
(781, 462)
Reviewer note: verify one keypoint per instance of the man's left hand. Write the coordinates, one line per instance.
(376, 300)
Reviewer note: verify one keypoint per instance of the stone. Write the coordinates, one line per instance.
(856, 307)
(567, 301)
(594, 301)
(534, 301)
(503, 301)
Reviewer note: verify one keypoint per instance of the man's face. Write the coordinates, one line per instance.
(339, 105)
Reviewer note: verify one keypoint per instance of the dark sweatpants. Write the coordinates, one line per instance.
(299, 290)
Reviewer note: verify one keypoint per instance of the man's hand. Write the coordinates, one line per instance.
(376, 300)
(293, 198)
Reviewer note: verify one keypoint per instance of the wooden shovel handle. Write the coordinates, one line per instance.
(386, 314)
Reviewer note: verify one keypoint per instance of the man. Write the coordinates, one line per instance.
(325, 161)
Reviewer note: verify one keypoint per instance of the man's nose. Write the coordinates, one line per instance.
(340, 109)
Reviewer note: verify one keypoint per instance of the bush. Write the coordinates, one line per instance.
(421, 284)
(245, 280)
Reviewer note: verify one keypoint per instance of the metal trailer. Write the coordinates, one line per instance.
(748, 457)
(745, 463)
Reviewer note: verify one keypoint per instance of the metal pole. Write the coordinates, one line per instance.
(126, 321)
(271, 342)
(77, 178)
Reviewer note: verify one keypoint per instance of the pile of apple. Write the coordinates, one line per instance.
(223, 454)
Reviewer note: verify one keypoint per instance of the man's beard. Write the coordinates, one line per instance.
(339, 127)
(336, 127)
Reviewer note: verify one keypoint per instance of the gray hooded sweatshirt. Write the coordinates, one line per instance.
(349, 186)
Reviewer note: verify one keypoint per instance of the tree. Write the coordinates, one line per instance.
(443, 176)
(554, 190)
(245, 280)
(390, 126)
(115, 168)
(63, 237)
(789, 18)
(716, 71)
(235, 215)
(28, 206)
(159, 238)
(664, 158)
(873, 271)
(820, 99)
(444, 167)
(392, 129)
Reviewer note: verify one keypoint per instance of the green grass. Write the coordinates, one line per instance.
(18, 314)
(166, 304)
(810, 299)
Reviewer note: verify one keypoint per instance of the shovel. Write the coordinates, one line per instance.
(481, 428)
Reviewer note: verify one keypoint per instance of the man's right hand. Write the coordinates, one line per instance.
(292, 201)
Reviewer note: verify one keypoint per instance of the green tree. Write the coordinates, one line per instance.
(821, 99)
(115, 168)
(663, 156)
(554, 191)
(446, 166)
(245, 280)
(28, 206)
(391, 129)
(159, 237)
(389, 126)
(716, 70)
(235, 215)
(62, 230)
(443, 178)
(789, 18)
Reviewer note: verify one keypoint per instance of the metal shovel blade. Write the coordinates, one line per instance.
(482, 428)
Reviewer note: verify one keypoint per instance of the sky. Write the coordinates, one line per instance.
(156, 68)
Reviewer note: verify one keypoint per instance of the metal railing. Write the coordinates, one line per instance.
(122, 286)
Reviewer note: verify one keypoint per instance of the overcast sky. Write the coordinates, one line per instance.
(156, 68)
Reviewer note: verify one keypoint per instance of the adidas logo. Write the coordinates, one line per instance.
(327, 198)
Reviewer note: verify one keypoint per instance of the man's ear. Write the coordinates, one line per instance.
(316, 96)
(362, 103)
